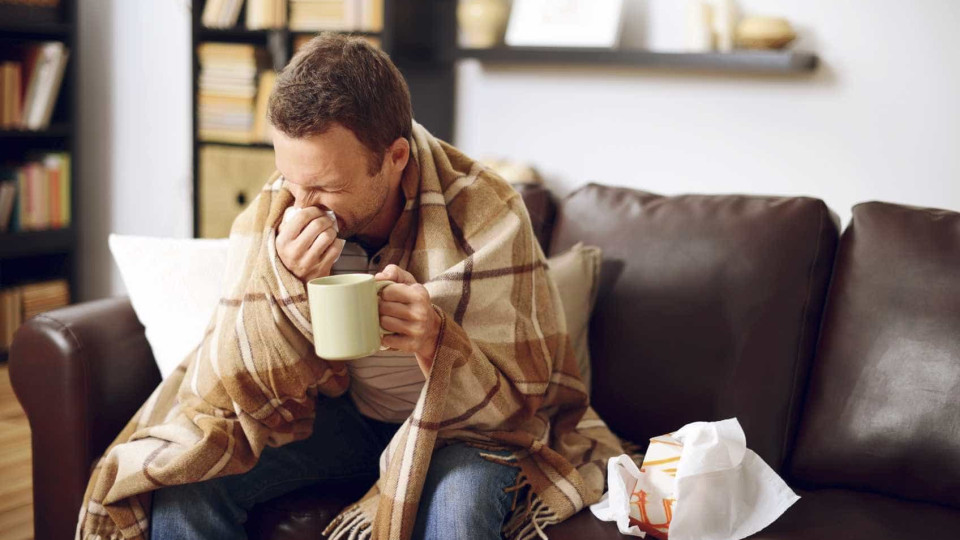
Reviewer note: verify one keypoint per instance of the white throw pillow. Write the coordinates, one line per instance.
(576, 273)
(174, 286)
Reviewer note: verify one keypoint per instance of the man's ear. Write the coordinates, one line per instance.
(399, 153)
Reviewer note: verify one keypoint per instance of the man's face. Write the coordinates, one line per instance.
(331, 171)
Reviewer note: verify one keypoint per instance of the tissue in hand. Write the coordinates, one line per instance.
(700, 482)
(292, 211)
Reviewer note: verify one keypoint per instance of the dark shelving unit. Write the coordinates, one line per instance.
(741, 61)
(29, 256)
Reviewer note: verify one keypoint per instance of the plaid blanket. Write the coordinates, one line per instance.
(504, 376)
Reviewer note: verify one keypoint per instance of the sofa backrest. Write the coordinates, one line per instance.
(708, 307)
(883, 409)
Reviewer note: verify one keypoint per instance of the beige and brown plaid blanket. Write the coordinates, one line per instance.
(504, 376)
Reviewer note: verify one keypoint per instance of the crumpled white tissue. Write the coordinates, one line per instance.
(292, 211)
(700, 482)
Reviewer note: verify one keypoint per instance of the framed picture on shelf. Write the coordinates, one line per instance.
(565, 23)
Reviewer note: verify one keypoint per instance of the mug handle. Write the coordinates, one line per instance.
(380, 286)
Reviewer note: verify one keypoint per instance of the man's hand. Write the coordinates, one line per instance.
(307, 244)
(405, 308)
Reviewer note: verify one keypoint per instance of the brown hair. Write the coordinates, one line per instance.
(335, 78)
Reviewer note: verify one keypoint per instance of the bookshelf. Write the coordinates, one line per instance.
(409, 34)
(29, 256)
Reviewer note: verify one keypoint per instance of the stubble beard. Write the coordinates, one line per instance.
(379, 200)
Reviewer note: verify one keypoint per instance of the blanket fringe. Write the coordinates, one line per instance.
(352, 524)
(529, 524)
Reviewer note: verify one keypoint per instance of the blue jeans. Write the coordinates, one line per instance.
(462, 497)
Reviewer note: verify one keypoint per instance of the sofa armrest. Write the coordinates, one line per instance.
(80, 372)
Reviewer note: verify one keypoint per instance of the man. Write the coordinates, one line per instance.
(455, 419)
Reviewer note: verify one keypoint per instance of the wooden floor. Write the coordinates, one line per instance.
(16, 490)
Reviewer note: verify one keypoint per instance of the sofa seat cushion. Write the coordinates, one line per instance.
(853, 515)
(819, 514)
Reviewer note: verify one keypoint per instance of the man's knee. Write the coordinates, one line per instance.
(463, 495)
(183, 510)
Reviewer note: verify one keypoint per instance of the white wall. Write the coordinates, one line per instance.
(134, 147)
(880, 120)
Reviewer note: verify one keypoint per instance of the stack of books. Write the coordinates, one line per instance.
(221, 13)
(36, 195)
(228, 87)
(340, 15)
(262, 130)
(41, 297)
(266, 14)
(17, 304)
(11, 315)
(29, 86)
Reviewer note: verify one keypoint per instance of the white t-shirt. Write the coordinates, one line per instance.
(386, 385)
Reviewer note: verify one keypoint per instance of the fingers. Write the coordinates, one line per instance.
(321, 227)
(314, 240)
(400, 326)
(407, 294)
(330, 257)
(288, 230)
(399, 342)
(397, 274)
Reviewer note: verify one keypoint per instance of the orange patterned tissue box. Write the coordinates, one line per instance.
(700, 482)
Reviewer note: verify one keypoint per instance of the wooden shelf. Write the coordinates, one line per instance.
(235, 34)
(35, 31)
(26, 244)
(243, 35)
(784, 62)
(61, 130)
(236, 144)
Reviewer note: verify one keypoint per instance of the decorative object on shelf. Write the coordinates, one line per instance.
(230, 178)
(481, 23)
(565, 23)
(725, 24)
(764, 33)
(699, 34)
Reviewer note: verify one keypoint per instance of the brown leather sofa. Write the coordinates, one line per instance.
(839, 356)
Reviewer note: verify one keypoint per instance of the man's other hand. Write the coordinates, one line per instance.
(405, 309)
(307, 243)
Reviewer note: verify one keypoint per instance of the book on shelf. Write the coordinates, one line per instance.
(340, 15)
(266, 14)
(18, 304)
(36, 195)
(234, 91)
(262, 129)
(221, 13)
(44, 296)
(29, 87)
(228, 89)
(11, 315)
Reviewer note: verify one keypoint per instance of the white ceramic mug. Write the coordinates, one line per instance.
(345, 315)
